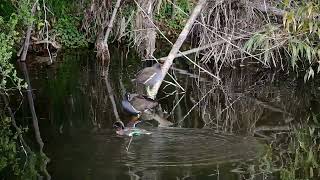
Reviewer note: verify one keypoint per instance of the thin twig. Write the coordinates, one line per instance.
(47, 30)
(195, 105)
(128, 146)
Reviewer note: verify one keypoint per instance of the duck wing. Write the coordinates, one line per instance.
(128, 107)
(142, 103)
(146, 75)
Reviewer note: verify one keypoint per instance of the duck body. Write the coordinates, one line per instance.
(129, 131)
(136, 103)
(149, 76)
(133, 131)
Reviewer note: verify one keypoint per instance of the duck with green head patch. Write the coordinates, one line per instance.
(129, 131)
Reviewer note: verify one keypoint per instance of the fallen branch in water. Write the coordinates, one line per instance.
(113, 102)
(28, 34)
(35, 121)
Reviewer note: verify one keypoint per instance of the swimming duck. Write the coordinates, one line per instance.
(149, 76)
(129, 131)
(136, 103)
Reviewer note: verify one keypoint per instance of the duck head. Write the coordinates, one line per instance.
(128, 96)
(119, 127)
(158, 65)
(127, 104)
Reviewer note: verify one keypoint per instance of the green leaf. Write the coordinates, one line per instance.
(310, 156)
(294, 56)
(318, 70)
(310, 27)
(308, 52)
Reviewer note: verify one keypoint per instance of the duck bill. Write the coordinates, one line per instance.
(120, 132)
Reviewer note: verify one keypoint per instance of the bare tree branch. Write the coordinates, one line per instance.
(110, 25)
(175, 49)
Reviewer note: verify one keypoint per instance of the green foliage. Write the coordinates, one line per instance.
(68, 33)
(62, 8)
(294, 155)
(303, 154)
(24, 12)
(173, 18)
(6, 9)
(8, 36)
(303, 28)
(8, 148)
(299, 38)
(14, 162)
(262, 45)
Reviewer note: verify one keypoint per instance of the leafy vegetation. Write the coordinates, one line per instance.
(8, 36)
(172, 19)
(296, 41)
(68, 33)
(8, 147)
(292, 155)
(16, 161)
(298, 38)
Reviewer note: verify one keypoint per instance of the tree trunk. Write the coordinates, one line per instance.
(175, 49)
(145, 36)
(110, 25)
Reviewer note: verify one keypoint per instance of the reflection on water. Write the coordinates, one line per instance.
(189, 147)
(177, 152)
(75, 115)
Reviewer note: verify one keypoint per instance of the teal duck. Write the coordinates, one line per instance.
(129, 131)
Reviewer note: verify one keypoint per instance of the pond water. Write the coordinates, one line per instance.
(217, 127)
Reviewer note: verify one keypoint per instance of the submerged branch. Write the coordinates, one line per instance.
(110, 92)
(35, 121)
(32, 107)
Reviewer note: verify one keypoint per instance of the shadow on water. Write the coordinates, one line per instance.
(75, 116)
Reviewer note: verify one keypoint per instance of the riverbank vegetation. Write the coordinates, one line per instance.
(297, 158)
(279, 35)
(229, 34)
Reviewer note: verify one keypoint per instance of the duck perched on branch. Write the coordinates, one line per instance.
(136, 103)
(149, 76)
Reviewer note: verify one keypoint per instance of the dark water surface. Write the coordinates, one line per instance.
(75, 118)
